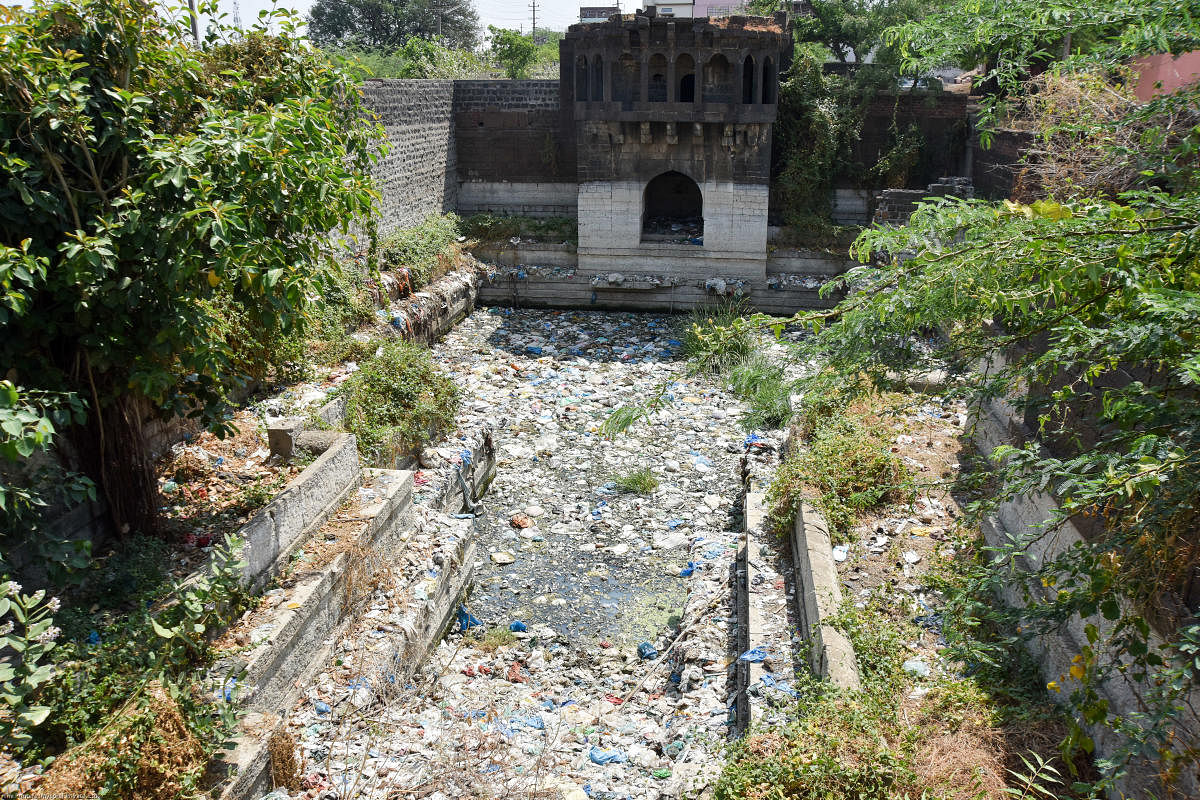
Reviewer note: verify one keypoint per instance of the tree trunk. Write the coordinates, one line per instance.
(113, 452)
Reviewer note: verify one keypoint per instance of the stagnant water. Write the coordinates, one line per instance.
(567, 708)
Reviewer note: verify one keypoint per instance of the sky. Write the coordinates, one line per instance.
(552, 14)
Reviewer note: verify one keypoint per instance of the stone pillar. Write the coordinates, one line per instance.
(644, 71)
(760, 69)
(608, 70)
(672, 89)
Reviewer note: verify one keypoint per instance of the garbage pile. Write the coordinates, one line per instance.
(596, 654)
(684, 230)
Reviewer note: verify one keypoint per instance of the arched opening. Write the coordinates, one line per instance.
(685, 73)
(597, 76)
(748, 80)
(718, 80)
(673, 210)
(627, 82)
(770, 81)
(656, 89)
(581, 79)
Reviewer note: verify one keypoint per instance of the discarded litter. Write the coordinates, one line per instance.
(915, 666)
(516, 626)
(841, 552)
(466, 621)
(598, 756)
(647, 651)
(754, 655)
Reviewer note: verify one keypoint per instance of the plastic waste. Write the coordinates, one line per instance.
(599, 756)
(841, 552)
(915, 666)
(647, 651)
(321, 707)
(754, 655)
(516, 626)
(466, 621)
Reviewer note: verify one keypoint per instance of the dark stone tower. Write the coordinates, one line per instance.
(673, 138)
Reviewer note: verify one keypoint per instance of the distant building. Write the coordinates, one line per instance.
(597, 13)
(684, 10)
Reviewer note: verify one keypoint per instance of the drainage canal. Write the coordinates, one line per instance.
(590, 550)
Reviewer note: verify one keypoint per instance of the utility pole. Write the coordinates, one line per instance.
(237, 15)
(195, 21)
(533, 5)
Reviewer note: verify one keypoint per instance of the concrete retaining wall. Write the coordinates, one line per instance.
(517, 198)
(818, 596)
(999, 423)
(303, 506)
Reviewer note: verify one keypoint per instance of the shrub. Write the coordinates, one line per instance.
(848, 465)
(426, 251)
(715, 338)
(397, 400)
(639, 481)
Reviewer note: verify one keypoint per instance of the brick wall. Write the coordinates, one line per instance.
(417, 176)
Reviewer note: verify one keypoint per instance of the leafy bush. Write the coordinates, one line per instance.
(397, 400)
(147, 176)
(425, 252)
(848, 464)
(761, 383)
(715, 337)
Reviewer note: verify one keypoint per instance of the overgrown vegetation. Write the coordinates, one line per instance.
(492, 228)
(638, 481)
(958, 742)
(152, 182)
(397, 400)
(423, 252)
(1088, 289)
(846, 462)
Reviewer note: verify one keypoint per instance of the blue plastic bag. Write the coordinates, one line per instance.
(602, 757)
(466, 621)
(516, 626)
(646, 651)
(754, 655)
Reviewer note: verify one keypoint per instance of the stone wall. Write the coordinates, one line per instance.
(996, 169)
(417, 177)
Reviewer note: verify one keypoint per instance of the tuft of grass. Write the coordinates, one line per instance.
(639, 481)
(493, 639)
(762, 385)
(716, 338)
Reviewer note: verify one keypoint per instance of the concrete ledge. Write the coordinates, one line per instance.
(302, 507)
(818, 596)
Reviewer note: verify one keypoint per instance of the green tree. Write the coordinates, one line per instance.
(147, 181)
(514, 51)
(1081, 308)
(385, 25)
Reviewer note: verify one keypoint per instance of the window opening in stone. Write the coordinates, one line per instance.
(769, 80)
(718, 80)
(673, 210)
(581, 79)
(748, 80)
(656, 91)
(597, 93)
(685, 71)
(627, 82)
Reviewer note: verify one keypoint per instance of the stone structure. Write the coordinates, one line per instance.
(672, 130)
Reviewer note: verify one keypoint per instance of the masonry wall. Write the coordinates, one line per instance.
(516, 151)
(417, 177)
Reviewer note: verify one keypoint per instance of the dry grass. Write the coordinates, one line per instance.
(285, 769)
(152, 737)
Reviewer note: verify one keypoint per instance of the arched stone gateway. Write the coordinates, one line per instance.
(672, 209)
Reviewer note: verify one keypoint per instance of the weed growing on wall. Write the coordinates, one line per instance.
(398, 400)
(499, 229)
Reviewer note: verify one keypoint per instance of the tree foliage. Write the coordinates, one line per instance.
(1080, 308)
(386, 25)
(514, 51)
(147, 177)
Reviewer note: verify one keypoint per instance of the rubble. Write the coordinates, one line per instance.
(601, 644)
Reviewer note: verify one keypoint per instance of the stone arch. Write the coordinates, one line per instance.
(749, 80)
(770, 82)
(672, 208)
(718, 80)
(597, 78)
(582, 84)
(685, 74)
(656, 91)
